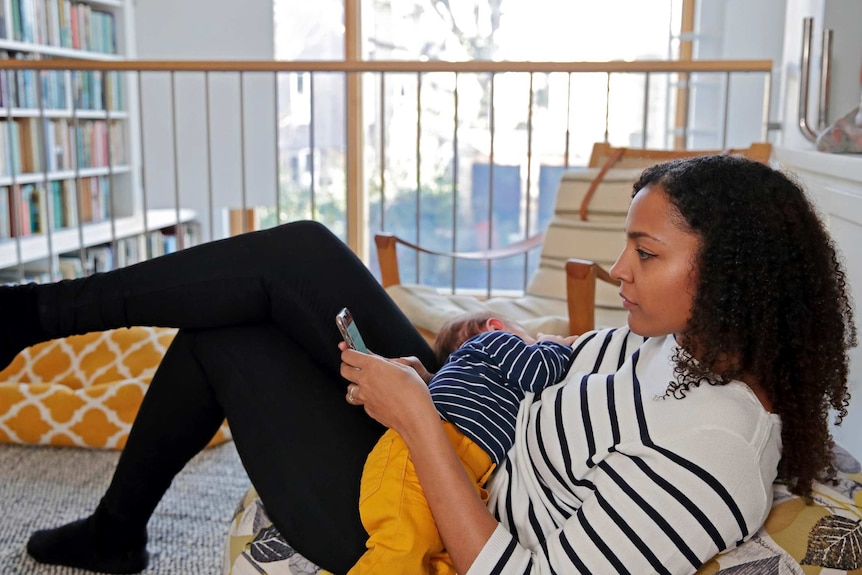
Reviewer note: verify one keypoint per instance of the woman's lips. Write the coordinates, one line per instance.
(627, 303)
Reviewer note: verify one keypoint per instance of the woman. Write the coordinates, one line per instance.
(650, 456)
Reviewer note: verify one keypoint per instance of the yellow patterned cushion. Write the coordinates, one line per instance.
(820, 537)
(83, 390)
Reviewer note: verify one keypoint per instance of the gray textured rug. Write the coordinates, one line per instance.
(48, 486)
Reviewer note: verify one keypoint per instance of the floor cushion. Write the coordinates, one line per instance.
(819, 538)
(83, 390)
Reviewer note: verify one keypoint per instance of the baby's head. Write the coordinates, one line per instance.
(459, 329)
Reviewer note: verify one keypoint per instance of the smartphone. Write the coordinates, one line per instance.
(349, 331)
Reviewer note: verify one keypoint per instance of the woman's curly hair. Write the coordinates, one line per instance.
(772, 302)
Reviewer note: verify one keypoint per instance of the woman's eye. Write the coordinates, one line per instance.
(644, 255)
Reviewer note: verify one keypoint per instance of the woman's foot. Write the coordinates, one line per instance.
(87, 545)
(19, 321)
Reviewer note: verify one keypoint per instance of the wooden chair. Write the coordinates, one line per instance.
(583, 240)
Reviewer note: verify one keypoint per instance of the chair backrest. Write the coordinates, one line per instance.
(590, 214)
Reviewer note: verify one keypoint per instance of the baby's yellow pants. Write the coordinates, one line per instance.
(402, 535)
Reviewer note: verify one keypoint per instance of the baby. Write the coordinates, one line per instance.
(478, 391)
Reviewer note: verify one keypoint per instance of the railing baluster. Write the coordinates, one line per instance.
(568, 119)
(78, 181)
(382, 157)
(15, 200)
(312, 125)
(418, 166)
(455, 172)
(174, 135)
(243, 190)
(529, 201)
(607, 106)
(112, 188)
(726, 112)
(148, 249)
(490, 245)
(208, 136)
(276, 155)
(645, 125)
(46, 220)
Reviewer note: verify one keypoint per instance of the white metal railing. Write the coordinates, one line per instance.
(177, 114)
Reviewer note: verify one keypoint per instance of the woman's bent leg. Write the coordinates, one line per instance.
(297, 276)
(302, 444)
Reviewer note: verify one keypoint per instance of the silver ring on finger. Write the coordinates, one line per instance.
(350, 398)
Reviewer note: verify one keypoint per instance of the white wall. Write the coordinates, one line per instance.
(207, 30)
(736, 30)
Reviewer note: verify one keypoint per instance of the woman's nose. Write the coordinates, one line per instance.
(620, 271)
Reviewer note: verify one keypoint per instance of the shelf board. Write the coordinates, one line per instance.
(62, 113)
(14, 45)
(63, 175)
(105, 3)
(35, 247)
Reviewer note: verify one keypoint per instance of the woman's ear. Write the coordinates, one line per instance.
(495, 324)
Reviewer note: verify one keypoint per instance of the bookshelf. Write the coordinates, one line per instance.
(68, 179)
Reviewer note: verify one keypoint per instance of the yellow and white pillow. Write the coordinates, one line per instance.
(83, 390)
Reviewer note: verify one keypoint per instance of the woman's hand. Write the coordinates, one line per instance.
(392, 391)
(569, 340)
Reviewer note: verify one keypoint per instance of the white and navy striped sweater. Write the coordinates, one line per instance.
(482, 385)
(608, 476)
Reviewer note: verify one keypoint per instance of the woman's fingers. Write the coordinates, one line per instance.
(352, 397)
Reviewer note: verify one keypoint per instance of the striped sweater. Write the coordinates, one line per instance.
(609, 476)
(482, 384)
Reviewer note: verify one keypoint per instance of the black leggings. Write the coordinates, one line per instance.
(257, 344)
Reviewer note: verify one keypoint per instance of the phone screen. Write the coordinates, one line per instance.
(350, 332)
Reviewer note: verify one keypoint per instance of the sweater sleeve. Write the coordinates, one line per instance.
(649, 513)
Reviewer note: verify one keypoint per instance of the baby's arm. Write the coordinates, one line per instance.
(531, 367)
(413, 361)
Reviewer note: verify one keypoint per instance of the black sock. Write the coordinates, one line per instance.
(20, 325)
(98, 543)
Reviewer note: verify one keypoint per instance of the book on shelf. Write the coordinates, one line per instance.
(65, 24)
(5, 215)
(92, 89)
(3, 20)
(24, 207)
(97, 144)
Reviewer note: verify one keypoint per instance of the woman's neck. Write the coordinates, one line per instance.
(726, 364)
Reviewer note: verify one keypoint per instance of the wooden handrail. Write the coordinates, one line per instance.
(474, 66)
(515, 249)
(388, 259)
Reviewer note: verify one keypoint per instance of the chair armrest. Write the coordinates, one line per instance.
(388, 258)
(581, 276)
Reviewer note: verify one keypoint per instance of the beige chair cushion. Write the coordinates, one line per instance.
(429, 309)
(600, 238)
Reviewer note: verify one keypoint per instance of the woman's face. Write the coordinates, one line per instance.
(656, 267)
